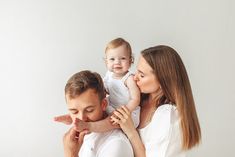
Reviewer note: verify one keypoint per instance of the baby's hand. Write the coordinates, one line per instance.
(80, 125)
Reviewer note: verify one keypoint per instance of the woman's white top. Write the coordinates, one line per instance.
(162, 136)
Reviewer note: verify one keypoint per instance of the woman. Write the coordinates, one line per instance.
(168, 121)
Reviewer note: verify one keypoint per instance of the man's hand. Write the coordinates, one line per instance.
(72, 142)
(66, 119)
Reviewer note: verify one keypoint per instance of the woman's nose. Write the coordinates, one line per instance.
(135, 77)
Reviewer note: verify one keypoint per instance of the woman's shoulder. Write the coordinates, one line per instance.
(166, 107)
(167, 113)
(165, 120)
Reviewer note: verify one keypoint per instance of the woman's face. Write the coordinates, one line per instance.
(145, 78)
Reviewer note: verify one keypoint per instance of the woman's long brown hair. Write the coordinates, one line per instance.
(172, 76)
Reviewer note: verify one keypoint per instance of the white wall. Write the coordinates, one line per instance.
(43, 42)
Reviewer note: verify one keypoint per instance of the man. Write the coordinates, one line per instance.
(85, 97)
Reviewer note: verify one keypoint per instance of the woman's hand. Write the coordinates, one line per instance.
(66, 119)
(122, 116)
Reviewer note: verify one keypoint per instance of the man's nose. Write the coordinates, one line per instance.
(82, 116)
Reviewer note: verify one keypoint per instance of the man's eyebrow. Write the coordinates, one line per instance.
(72, 109)
(92, 106)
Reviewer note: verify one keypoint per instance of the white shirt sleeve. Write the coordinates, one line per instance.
(162, 136)
(116, 148)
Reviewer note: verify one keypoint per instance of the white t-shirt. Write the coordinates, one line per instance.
(118, 91)
(162, 136)
(119, 94)
(108, 144)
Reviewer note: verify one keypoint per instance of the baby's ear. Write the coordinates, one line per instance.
(104, 104)
(105, 60)
(132, 60)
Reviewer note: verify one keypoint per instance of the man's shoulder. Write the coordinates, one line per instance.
(107, 137)
(117, 134)
(111, 136)
(116, 142)
(112, 143)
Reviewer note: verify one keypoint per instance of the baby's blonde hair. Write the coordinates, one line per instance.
(119, 42)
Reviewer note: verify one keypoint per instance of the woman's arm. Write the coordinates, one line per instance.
(123, 118)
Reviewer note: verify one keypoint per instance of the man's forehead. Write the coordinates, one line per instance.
(84, 100)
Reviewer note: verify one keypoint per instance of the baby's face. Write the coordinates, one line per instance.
(118, 60)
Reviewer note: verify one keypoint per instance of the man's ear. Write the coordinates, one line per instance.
(104, 104)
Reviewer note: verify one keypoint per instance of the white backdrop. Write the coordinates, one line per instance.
(43, 42)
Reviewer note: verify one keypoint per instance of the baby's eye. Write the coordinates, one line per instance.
(123, 58)
(111, 59)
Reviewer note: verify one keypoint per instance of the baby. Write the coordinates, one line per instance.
(118, 81)
(120, 86)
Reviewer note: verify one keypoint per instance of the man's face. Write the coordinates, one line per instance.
(87, 106)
